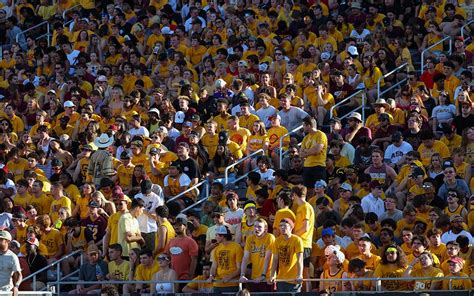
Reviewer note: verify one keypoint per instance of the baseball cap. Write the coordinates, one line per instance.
(33, 241)
(125, 155)
(288, 221)
(335, 119)
(163, 129)
(220, 83)
(346, 187)
(69, 104)
(448, 164)
(5, 235)
(320, 184)
(457, 260)
(92, 249)
(417, 171)
(325, 56)
(102, 78)
(222, 229)
(179, 117)
(275, 116)
(327, 231)
(352, 50)
(154, 110)
(195, 117)
(242, 63)
(355, 115)
(182, 219)
(188, 124)
(154, 151)
(93, 204)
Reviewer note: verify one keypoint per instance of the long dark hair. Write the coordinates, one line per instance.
(401, 257)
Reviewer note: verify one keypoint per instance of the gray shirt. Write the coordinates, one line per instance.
(9, 264)
(88, 272)
(397, 215)
(292, 118)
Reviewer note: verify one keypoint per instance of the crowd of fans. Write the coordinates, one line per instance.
(128, 104)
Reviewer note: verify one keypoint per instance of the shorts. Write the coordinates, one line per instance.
(313, 174)
(306, 257)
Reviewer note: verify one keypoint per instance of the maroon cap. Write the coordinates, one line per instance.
(374, 184)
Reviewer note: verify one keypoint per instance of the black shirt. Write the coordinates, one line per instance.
(190, 168)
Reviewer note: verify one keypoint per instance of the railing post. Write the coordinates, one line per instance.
(58, 278)
(281, 142)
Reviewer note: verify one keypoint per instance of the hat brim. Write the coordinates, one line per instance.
(386, 105)
(104, 145)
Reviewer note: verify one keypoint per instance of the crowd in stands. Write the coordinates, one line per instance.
(109, 124)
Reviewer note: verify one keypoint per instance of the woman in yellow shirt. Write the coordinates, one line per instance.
(257, 140)
(434, 35)
(371, 76)
(393, 265)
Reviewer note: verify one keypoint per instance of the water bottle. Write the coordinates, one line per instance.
(98, 271)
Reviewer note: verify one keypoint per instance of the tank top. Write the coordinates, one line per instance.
(379, 174)
(335, 285)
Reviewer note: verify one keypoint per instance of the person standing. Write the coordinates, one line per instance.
(183, 251)
(288, 258)
(258, 252)
(10, 274)
(304, 226)
(101, 163)
(147, 220)
(313, 151)
(128, 233)
(226, 260)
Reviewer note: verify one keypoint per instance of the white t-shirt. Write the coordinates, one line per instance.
(10, 264)
(183, 180)
(394, 153)
(443, 113)
(152, 201)
(264, 113)
(141, 131)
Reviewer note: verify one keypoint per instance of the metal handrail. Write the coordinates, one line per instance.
(69, 9)
(430, 47)
(187, 190)
(226, 173)
(281, 141)
(17, 37)
(465, 26)
(57, 262)
(385, 76)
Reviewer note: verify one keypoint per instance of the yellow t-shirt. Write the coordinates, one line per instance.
(210, 142)
(144, 273)
(389, 271)
(424, 285)
(256, 142)
(305, 212)
(62, 202)
(239, 136)
(120, 271)
(309, 142)
(198, 285)
(454, 284)
(274, 135)
(227, 257)
(287, 259)
(112, 226)
(17, 169)
(333, 286)
(257, 247)
(53, 241)
(125, 174)
(42, 204)
(370, 263)
(22, 201)
(438, 147)
(248, 121)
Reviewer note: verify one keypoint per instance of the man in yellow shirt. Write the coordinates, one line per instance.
(304, 226)
(145, 270)
(258, 252)
(288, 258)
(226, 261)
(313, 151)
(431, 146)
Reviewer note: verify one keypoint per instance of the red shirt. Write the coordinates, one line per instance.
(181, 250)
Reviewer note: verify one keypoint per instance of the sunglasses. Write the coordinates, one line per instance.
(162, 259)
